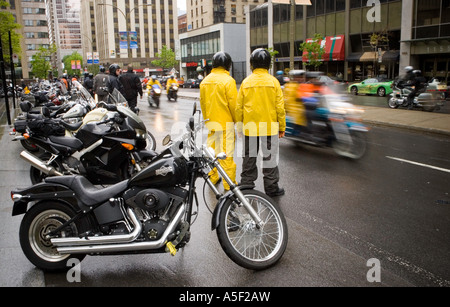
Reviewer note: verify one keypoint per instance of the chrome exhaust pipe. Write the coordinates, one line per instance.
(124, 247)
(103, 239)
(39, 164)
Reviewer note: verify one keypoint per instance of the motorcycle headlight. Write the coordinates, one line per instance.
(141, 134)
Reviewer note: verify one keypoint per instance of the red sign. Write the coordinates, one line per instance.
(191, 64)
(334, 48)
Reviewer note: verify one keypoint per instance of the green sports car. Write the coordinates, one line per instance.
(372, 86)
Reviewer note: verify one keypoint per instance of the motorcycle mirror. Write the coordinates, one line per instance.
(194, 109)
(221, 156)
(166, 140)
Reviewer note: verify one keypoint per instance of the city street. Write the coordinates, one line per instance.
(393, 205)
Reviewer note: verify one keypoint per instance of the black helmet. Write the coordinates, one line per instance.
(222, 59)
(113, 68)
(417, 72)
(260, 58)
(102, 69)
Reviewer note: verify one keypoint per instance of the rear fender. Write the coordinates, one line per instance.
(42, 192)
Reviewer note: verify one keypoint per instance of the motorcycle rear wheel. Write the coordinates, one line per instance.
(356, 149)
(37, 176)
(243, 242)
(38, 221)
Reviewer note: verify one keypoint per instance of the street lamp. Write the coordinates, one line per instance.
(127, 20)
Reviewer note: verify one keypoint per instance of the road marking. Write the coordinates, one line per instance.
(420, 164)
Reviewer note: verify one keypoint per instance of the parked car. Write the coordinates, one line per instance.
(192, 83)
(373, 86)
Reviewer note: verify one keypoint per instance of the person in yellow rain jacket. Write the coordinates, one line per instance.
(295, 110)
(218, 103)
(261, 117)
(170, 81)
(153, 81)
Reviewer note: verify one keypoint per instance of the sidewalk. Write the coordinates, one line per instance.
(401, 118)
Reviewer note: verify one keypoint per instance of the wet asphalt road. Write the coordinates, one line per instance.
(340, 214)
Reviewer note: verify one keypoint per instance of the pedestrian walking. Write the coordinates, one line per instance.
(132, 87)
(100, 85)
(218, 94)
(113, 80)
(261, 118)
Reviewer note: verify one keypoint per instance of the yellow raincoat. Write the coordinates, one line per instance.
(260, 105)
(218, 103)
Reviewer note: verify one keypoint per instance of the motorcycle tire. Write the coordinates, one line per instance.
(29, 145)
(151, 142)
(37, 176)
(38, 221)
(392, 103)
(354, 151)
(243, 242)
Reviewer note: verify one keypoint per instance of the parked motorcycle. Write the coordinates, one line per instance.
(336, 123)
(150, 213)
(154, 96)
(430, 99)
(173, 92)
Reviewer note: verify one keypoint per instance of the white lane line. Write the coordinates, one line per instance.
(420, 164)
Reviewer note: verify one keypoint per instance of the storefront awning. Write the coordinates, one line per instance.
(391, 56)
(334, 48)
(371, 56)
(354, 57)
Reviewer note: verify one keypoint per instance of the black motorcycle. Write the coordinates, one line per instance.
(106, 151)
(150, 213)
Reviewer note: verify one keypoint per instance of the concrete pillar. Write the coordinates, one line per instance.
(406, 34)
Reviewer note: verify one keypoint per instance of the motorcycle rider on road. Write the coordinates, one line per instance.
(152, 82)
(113, 80)
(218, 103)
(171, 81)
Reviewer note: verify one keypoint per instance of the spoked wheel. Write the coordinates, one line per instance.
(392, 103)
(36, 245)
(247, 245)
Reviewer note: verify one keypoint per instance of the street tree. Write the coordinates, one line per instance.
(165, 58)
(314, 51)
(8, 24)
(40, 62)
(67, 61)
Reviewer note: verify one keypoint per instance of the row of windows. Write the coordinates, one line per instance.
(36, 35)
(29, 10)
(201, 45)
(282, 12)
(37, 46)
(37, 23)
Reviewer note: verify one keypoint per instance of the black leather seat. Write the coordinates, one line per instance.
(71, 142)
(71, 127)
(85, 191)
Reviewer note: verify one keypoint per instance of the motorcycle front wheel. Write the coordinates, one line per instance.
(40, 220)
(247, 245)
(392, 103)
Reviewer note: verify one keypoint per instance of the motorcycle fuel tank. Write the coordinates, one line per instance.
(166, 170)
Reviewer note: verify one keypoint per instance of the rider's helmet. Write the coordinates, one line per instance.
(91, 75)
(417, 72)
(222, 59)
(279, 73)
(153, 77)
(102, 69)
(113, 68)
(408, 69)
(260, 58)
